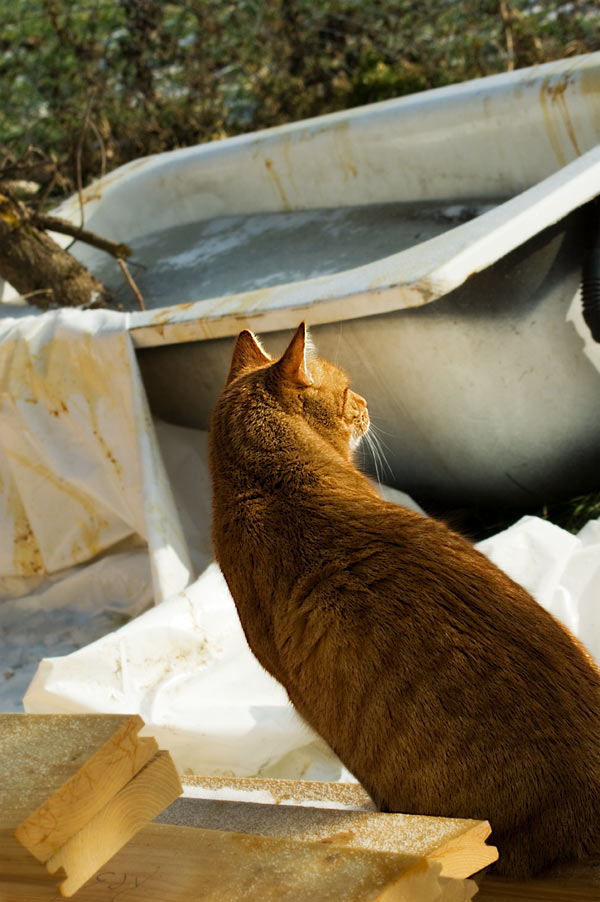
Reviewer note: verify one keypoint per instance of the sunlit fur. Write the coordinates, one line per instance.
(441, 684)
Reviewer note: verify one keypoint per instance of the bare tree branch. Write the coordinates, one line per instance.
(56, 224)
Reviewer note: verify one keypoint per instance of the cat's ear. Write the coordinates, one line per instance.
(247, 354)
(294, 364)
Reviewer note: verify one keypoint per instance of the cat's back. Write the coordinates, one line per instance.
(444, 686)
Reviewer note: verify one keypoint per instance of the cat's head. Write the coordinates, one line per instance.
(303, 384)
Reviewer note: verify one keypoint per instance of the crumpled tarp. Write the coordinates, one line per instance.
(105, 511)
(80, 470)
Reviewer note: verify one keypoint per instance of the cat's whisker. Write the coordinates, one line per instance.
(380, 463)
(377, 428)
(382, 466)
(380, 431)
(382, 444)
(363, 454)
(373, 454)
(387, 465)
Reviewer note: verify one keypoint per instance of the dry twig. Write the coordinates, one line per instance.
(56, 224)
(131, 283)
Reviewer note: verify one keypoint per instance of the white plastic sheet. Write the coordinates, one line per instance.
(67, 611)
(184, 664)
(562, 571)
(79, 466)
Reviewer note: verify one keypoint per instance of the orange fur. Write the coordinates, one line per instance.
(441, 684)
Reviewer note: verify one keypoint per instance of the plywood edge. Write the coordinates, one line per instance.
(134, 806)
(468, 853)
(87, 791)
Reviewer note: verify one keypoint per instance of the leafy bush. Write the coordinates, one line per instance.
(95, 83)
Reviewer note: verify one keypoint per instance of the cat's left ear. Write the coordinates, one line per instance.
(247, 354)
(293, 364)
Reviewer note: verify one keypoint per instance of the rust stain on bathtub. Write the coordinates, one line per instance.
(92, 195)
(550, 129)
(557, 94)
(553, 96)
(343, 149)
(167, 314)
(163, 316)
(278, 184)
(289, 163)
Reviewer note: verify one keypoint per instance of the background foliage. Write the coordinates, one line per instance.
(89, 85)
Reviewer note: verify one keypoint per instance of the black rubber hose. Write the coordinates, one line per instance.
(590, 282)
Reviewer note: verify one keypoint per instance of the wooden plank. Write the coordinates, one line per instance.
(73, 788)
(132, 808)
(159, 867)
(41, 753)
(467, 852)
(164, 863)
(458, 845)
(91, 766)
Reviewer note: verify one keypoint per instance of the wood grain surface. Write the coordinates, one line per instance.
(163, 863)
(73, 790)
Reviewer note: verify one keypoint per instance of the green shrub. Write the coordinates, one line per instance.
(96, 83)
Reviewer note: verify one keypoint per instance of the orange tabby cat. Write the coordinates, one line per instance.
(440, 683)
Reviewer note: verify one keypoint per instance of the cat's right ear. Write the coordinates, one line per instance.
(247, 355)
(294, 364)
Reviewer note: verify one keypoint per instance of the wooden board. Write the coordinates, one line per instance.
(338, 813)
(163, 863)
(127, 812)
(458, 845)
(251, 839)
(73, 789)
(49, 763)
(570, 884)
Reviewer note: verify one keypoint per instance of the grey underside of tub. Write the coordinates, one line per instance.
(484, 395)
